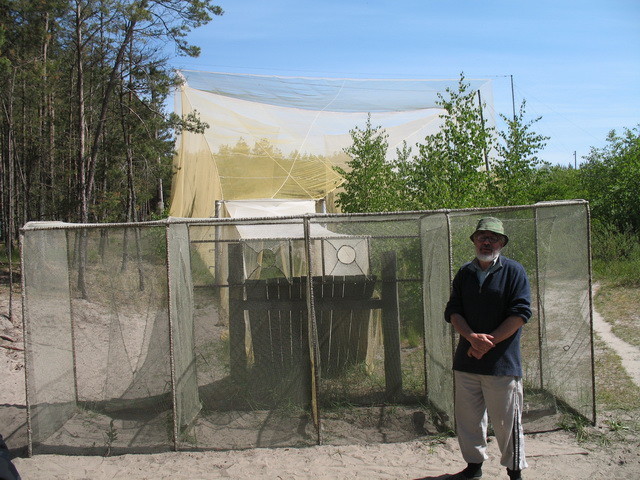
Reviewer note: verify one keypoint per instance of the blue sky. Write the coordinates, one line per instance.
(576, 63)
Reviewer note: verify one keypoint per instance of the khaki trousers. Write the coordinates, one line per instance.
(500, 398)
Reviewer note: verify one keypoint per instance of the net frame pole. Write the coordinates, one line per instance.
(452, 333)
(590, 275)
(27, 344)
(172, 364)
(312, 329)
(73, 324)
(541, 319)
(425, 374)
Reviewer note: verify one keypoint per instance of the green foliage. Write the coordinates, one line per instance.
(448, 169)
(85, 135)
(370, 178)
(5, 63)
(111, 436)
(190, 122)
(577, 424)
(609, 180)
(4, 256)
(616, 255)
(615, 388)
(611, 176)
(514, 170)
(555, 182)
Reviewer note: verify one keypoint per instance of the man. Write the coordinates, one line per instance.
(7, 468)
(489, 304)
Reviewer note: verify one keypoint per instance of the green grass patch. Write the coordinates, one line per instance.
(4, 256)
(616, 257)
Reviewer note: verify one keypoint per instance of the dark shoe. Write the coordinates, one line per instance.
(473, 471)
(514, 474)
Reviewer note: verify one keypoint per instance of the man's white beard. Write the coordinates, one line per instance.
(488, 258)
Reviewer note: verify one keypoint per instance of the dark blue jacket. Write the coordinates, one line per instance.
(505, 292)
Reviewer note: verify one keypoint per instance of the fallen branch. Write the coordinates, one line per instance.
(11, 347)
(558, 454)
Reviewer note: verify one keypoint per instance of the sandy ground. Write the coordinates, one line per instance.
(551, 455)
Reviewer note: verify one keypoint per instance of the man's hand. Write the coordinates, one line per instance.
(472, 352)
(481, 342)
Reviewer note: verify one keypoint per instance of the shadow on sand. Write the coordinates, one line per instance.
(439, 477)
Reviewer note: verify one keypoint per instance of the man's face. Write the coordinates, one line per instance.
(488, 245)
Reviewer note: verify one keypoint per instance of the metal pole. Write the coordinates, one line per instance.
(312, 332)
(452, 331)
(513, 99)
(172, 362)
(484, 150)
(593, 360)
(540, 302)
(26, 331)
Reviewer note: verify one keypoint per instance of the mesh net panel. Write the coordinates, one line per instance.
(51, 386)
(434, 232)
(369, 329)
(252, 346)
(127, 351)
(565, 305)
(120, 331)
(187, 404)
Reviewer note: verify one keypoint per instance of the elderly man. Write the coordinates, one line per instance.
(489, 304)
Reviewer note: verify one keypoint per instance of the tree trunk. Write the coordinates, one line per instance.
(10, 188)
(82, 174)
(91, 164)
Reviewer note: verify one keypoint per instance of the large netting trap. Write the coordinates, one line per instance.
(281, 137)
(307, 329)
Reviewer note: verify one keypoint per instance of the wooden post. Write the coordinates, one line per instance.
(237, 349)
(391, 325)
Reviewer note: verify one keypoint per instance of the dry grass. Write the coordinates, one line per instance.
(615, 390)
(617, 396)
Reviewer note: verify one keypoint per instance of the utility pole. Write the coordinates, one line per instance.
(575, 160)
(486, 156)
(513, 99)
